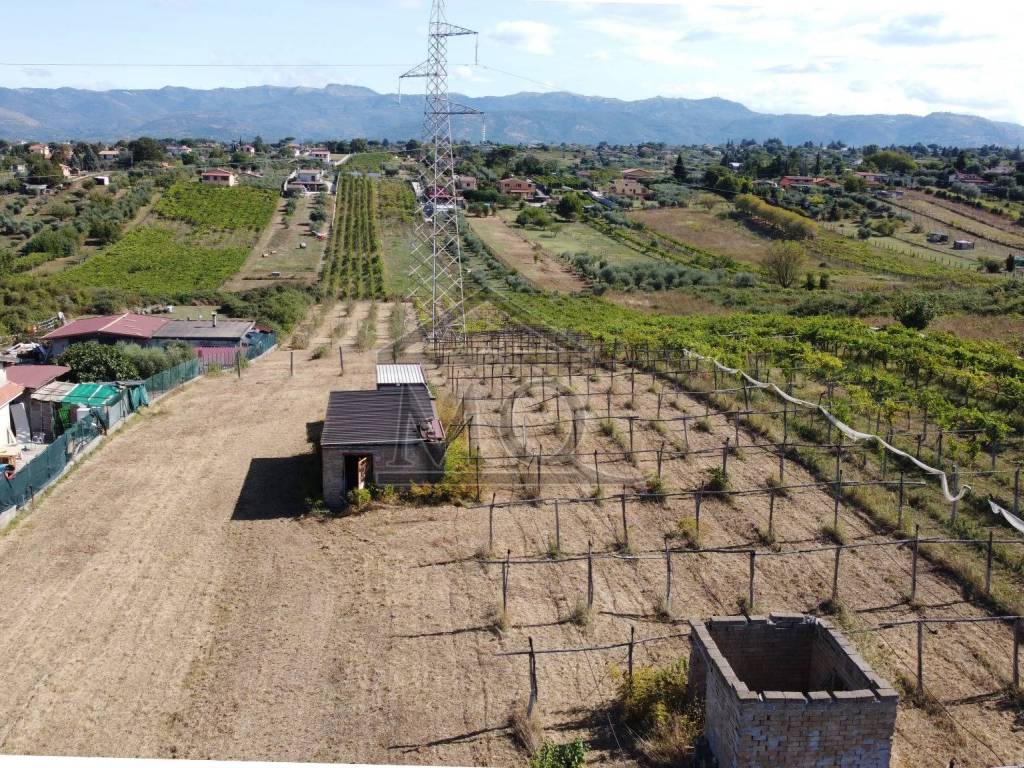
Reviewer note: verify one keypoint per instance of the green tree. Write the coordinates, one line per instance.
(914, 310)
(570, 206)
(145, 150)
(6, 262)
(679, 170)
(42, 171)
(784, 262)
(93, 361)
(891, 160)
(534, 217)
(105, 231)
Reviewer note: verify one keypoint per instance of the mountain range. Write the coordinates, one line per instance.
(345, 111)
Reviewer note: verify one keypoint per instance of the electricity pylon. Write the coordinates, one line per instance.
(437, 271)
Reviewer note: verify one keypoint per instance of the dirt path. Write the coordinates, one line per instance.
(170, 598)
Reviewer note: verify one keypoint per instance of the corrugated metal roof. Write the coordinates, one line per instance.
(401, 374)
(54, 392)
(35, 376)
(377, 416)
(204, 329)
(127, 324)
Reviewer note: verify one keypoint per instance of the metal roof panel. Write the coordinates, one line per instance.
(378, 416)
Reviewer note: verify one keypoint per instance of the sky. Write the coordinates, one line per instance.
(872, 56)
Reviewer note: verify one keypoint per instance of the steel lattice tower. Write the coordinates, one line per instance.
(437, 270)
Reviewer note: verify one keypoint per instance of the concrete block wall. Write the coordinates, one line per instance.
(796, 728)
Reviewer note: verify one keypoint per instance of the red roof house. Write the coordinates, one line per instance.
(108, 329)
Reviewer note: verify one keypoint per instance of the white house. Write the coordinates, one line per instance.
(219, 177)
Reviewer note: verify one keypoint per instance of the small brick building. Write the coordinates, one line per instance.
(788, 690)
(388, 436)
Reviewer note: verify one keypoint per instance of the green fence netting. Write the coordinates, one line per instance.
(260, 344)
(172, 377)
(40, 472)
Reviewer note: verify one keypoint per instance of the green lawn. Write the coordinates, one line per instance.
(574, 237)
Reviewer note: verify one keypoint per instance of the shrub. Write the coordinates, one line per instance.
(359, 497)
(744, 280)
(784, 262)
(93, 361)
(914, 310)
(718, 480)
(551, 755)
(319, 352)
(59, 242)
(653, 704)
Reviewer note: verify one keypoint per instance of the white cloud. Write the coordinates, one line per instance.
(529, 36)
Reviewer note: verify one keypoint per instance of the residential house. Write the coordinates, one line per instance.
(872, 179)
(40, 149)
(218, 177)
(806, 182)
(106, 329)
(322, 154)
(386, 436)
(177, 150)
(247, 149)
(110, 155)
(33, 415)
(627, 188)
(517, 187)
(307, 182)
(66, 171)
(639, 174)
(467, 183)
(10, 450)
(968, 178)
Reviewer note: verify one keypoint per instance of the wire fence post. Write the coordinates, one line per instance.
(490, 525)
(632, 641)
(837, 499)
(291, 362)
(504, 580)
(750, 587)
(771, 513)
(899, 506)
(835, 576)
(988, 565)
(661, 453)
(341, 361)
(955, 489)
(558, 529)
(597, 471)
(725, 457)
(625, 522)
(533, 680)
(696, 510)
(913, 562)
(590, 575)
(920, 657)
(668, 577)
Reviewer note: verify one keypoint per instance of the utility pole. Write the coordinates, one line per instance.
(437, 262)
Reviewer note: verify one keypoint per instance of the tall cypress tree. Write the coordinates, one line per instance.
(679, 171)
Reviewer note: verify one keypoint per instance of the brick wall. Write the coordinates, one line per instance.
(848, 724)
(397, 465)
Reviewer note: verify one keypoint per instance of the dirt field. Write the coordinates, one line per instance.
(535, 264)
(170, 598)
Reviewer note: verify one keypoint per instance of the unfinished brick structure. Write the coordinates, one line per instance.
(788, 690)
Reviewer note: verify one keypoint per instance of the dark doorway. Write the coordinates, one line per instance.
(358, 471)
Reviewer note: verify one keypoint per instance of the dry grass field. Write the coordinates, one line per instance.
(172, 598)
(708, 229)
(531, 260)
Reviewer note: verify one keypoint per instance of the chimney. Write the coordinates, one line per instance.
(214, 319)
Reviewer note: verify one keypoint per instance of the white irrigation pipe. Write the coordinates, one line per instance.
(847, 430)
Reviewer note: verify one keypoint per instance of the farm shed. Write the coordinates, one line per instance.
(34, 378)
(388, 436)
(789, 690)
(400, 375)
(204, 333)
(108, 402)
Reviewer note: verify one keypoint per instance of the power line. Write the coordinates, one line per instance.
(195, 65)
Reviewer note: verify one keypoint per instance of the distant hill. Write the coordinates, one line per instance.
(342, 111)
